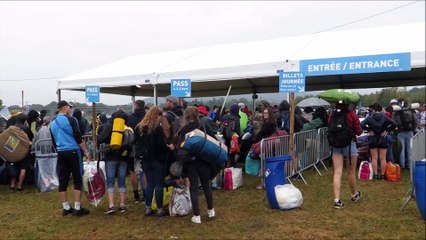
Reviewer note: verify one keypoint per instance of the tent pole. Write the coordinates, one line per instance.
(155, 95)
(58, 92)
(226, 97)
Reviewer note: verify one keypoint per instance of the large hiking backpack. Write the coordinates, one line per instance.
(228, 127)
(284, 121)
(405, 120)
(339, 134)
(177, 123)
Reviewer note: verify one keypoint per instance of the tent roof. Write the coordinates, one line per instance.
(251, 67)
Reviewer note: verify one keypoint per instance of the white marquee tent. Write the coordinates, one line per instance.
(251, 67)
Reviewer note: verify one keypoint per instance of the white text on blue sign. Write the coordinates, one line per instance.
(291, 82)
(180, 87)
(358, 64)
(92, 93)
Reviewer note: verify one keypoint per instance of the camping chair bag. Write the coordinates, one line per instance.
(14, 144)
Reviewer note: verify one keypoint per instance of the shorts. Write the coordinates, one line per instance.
(70, 162)
(377, 141)
(345, 150)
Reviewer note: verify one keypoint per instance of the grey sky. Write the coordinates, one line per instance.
(57, 39)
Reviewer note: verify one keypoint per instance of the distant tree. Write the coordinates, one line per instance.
(1, 102)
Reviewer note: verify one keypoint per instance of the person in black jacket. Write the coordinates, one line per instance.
(137, 116)
(378, 124)
(152, 148)
(197, 169)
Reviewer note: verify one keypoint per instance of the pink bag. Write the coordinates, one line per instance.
(365, 171)
(228, 179)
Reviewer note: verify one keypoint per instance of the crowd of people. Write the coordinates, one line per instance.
(159, 133)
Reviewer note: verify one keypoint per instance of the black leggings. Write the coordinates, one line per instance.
(199, 169)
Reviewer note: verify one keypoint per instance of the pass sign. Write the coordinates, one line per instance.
(92, 93)
(291, 82)
(180, 87)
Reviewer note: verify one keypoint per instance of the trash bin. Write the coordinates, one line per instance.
(419, 184)
(274, 175)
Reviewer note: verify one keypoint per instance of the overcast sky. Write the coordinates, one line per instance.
(61, 38)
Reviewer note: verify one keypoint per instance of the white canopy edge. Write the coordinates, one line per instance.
(256, 59)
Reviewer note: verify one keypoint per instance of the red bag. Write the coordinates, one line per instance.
(234, 148)
(255, 148)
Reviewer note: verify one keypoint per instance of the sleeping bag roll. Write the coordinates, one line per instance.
(117, 133)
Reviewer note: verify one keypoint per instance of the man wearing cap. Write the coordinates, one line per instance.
(68, 142)
(173, 110)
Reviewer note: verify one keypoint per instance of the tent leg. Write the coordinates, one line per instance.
(155, 95)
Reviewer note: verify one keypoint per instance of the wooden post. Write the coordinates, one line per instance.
(291, 125)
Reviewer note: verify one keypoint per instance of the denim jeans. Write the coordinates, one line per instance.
(404, 139)
(389, 152)
(116, 168)
(155, 173)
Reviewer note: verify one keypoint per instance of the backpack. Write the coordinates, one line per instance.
(405, 120)
(177, 123)
(339, 135)
(228, 127)
(284, 121)
(128, 141)
(128, 138)
(142, 146)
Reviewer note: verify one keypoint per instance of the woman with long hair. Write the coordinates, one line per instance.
(151, 147)
(269, 126)
(197, 169)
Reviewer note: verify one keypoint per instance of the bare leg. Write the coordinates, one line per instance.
(111, 199)
(337, 174)
(351, 168)
(63, 197)
(373, 152)
(382, 155)
(134, 180)
(21, 177)
(77, 195)
(122, 198)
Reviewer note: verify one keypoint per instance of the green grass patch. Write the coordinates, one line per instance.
(240, 214)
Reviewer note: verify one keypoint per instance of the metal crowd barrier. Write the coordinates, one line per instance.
(324, 150)
(417, 145)
(275, 147)
(305, 151)
(310, 149)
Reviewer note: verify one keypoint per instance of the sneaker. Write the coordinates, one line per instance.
(375, 177)
(211, 213)
(339, 204)
(196, 219)
(110, 210)
(357, 197)
(123, 209)
(19, 189)
(160, 213)
(11, 189)
(382, 177)
(260, 187)
(148, 212)
(66, 212)
(80, 212)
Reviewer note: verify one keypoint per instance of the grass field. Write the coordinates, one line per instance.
(240, 214)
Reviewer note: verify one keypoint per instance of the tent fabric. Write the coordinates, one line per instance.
(252, 66)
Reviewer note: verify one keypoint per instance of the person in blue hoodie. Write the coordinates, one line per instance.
(378, 124)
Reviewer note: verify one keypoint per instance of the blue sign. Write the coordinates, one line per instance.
(180, 87)
(359, 64)
(92, 93)
(291, 82)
